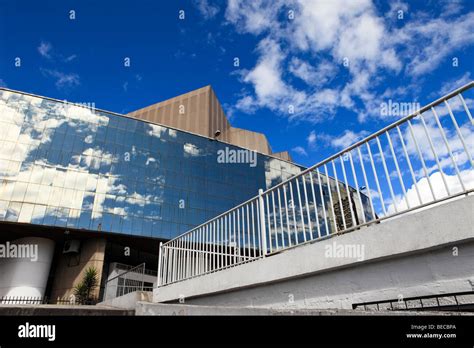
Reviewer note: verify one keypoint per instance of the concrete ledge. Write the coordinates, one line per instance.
(417, 233)
(129, 300)
(147, 309)
(62, 310)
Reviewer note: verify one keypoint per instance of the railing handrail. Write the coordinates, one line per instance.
(214, 218)
(338, 154)
(376, 134)
(124, 266)
(291, 214)
(127, 271)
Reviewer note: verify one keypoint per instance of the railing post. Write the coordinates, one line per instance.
(160, 256)
(262, 222)
(143, 275)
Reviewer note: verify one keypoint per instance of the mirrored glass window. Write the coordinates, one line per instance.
(75, 167)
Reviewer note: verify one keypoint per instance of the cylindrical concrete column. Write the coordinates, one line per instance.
(25, 268)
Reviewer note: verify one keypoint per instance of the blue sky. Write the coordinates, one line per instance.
(311, 75)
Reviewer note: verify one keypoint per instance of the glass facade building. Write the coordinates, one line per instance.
(85, 184)
(74, 167)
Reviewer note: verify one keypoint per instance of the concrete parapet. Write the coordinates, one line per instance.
(426, 252)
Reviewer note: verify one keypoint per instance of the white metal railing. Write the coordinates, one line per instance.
(125, 267)
(132, 279)
(422, 159)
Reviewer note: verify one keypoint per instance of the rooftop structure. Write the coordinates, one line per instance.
(200, 112)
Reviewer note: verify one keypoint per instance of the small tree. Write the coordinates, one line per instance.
(84, 289)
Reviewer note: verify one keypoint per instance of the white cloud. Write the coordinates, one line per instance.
(271, 91)
(269, 88)
(451, 7)
(156, 130)
(300, 151)
(452, 137)
(246, 104)
(349, 30)
(438, 186)
(206, 9)
(313, 46)
(452, 84)
(325, 99)
(191, 150)
(343, 30)
(395, 6)
(362, 43)
(456, 105)
(312, 75)
(311, 139)
(346, 139)
(63, 80)
(252, 16)
(441, 37)
(266, 76)
(159, 131)
(70, 58)
(44, 49)
(320, 22)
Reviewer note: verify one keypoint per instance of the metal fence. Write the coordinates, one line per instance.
(132, 279)
(34, 300)
(125, 267)
(419, 160)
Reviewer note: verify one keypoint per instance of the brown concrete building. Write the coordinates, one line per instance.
(200, 112)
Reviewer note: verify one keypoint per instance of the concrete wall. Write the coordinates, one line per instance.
(202, 114)
(128, 301)
(248, 140)
(428, 252)
(148, 309)
(68, 274)
(284, 155)
(197, 107)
